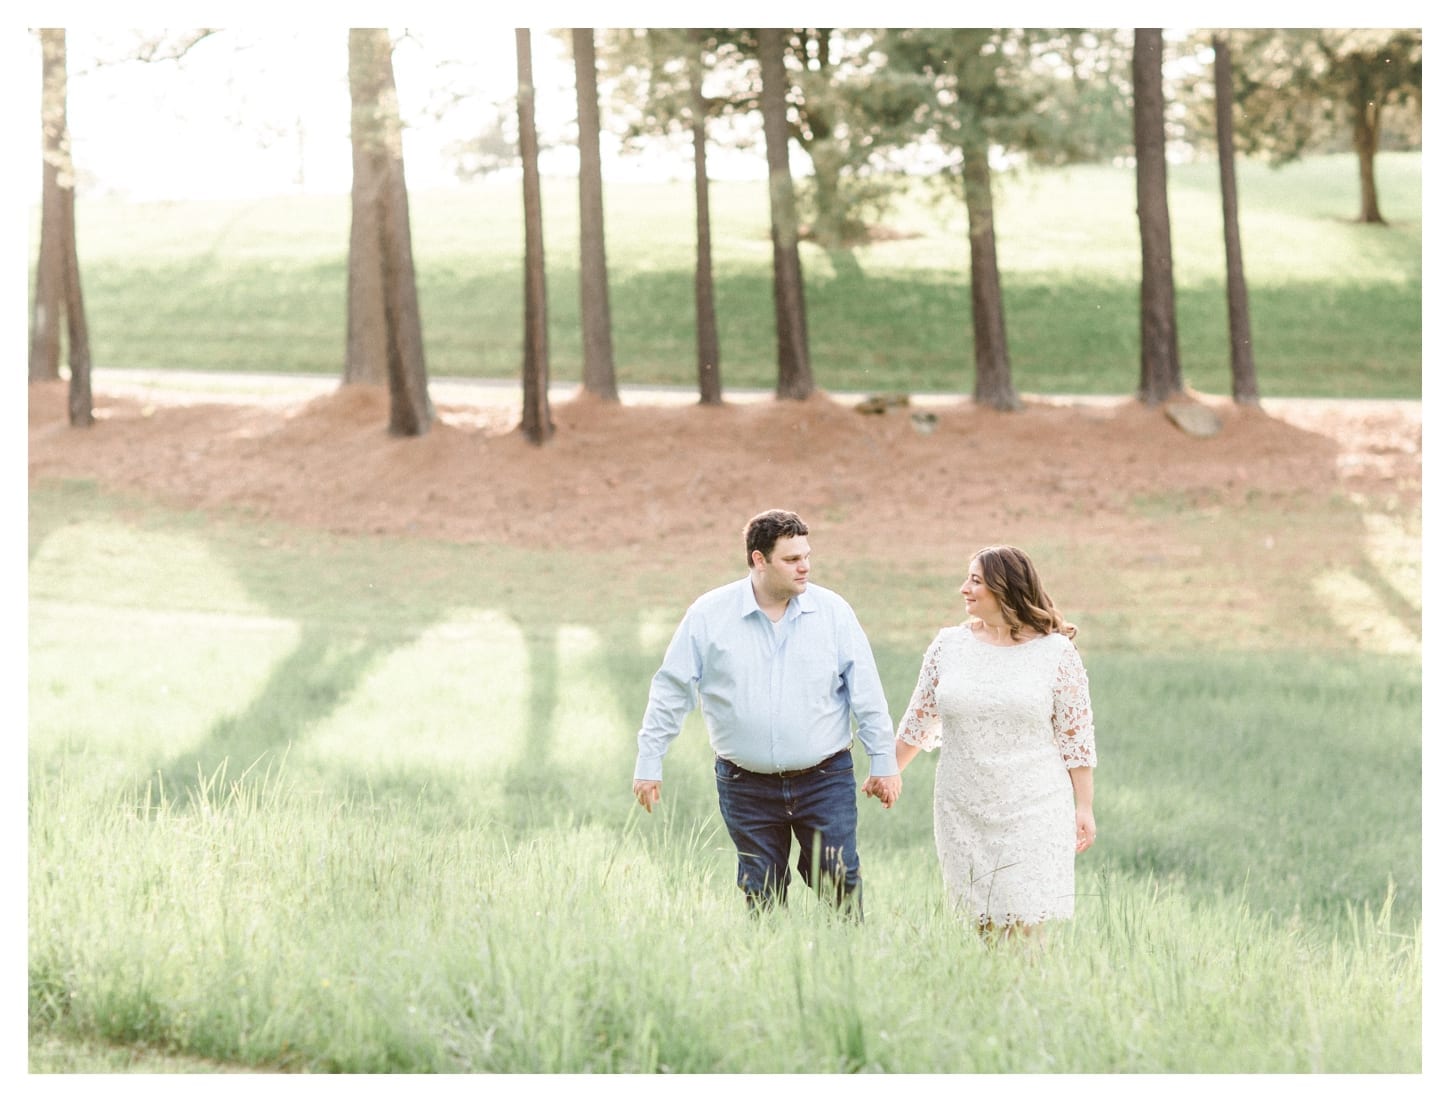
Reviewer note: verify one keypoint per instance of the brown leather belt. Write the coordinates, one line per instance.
(791, 774)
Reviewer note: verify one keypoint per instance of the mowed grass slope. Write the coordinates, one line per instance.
(261, 285)
(359, 804)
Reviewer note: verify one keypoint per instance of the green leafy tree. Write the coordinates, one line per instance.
(846, 119)
(973, 95)
(1305, 89)
(659, 75)
(1082, 84)
(954, 77)
(493, 148)
(835, 112)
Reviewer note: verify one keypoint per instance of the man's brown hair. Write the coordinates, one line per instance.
(764, 529)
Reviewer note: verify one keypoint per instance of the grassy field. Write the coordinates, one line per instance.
(260, 286)
(308, 802)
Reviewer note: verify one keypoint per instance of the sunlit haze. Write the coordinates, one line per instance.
(252, 113)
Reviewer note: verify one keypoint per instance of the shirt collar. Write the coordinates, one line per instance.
(796, 606)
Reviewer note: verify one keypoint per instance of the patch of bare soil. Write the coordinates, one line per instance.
(630, 474)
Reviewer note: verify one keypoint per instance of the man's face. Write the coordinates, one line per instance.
(786, 569)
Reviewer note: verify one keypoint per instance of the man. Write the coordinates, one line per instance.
(778, 669)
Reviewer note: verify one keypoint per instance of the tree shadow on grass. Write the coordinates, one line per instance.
(533, 780)
(627, 668)
(303, 689)
(70, 498)
(542, 775)
(1391, 601)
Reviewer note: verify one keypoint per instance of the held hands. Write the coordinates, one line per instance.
(648, 794)
(885, 789)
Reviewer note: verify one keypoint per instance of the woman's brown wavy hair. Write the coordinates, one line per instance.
(1013, 580)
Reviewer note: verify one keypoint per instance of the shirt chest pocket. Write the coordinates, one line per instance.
(811, 664)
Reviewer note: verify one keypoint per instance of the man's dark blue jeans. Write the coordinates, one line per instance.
(816, 806)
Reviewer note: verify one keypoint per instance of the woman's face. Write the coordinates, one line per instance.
(980, 601)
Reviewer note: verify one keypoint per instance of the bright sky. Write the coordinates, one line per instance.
(262, 108)
(252, 112)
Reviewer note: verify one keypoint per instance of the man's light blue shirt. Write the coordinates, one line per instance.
(774, 697)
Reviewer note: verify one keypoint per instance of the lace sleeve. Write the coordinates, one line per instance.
(1072, 712)
(921, 725)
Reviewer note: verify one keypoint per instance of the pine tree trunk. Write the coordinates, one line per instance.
(366, 360)
(993, 386)
(77, 334)
(378, 131)
(1241, 350)
(537, 424)
(58, 269)
(1366, 142)
(1161, 374)
(411, 407)
(49, 302)
(598, 375)
(793, 379)
(707, 337)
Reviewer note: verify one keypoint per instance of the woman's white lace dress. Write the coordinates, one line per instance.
(1010, 722)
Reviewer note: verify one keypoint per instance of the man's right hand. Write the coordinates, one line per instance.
(647, 793)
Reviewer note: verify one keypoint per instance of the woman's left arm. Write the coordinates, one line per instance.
(1072, 727)
(1082, 794)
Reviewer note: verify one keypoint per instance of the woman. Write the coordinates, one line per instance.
(1005, 697)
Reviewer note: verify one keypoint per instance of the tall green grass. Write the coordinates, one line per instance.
(260, 285)
(264, 924)
(310, 802)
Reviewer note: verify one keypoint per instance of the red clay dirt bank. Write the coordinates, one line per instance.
(626, 475)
